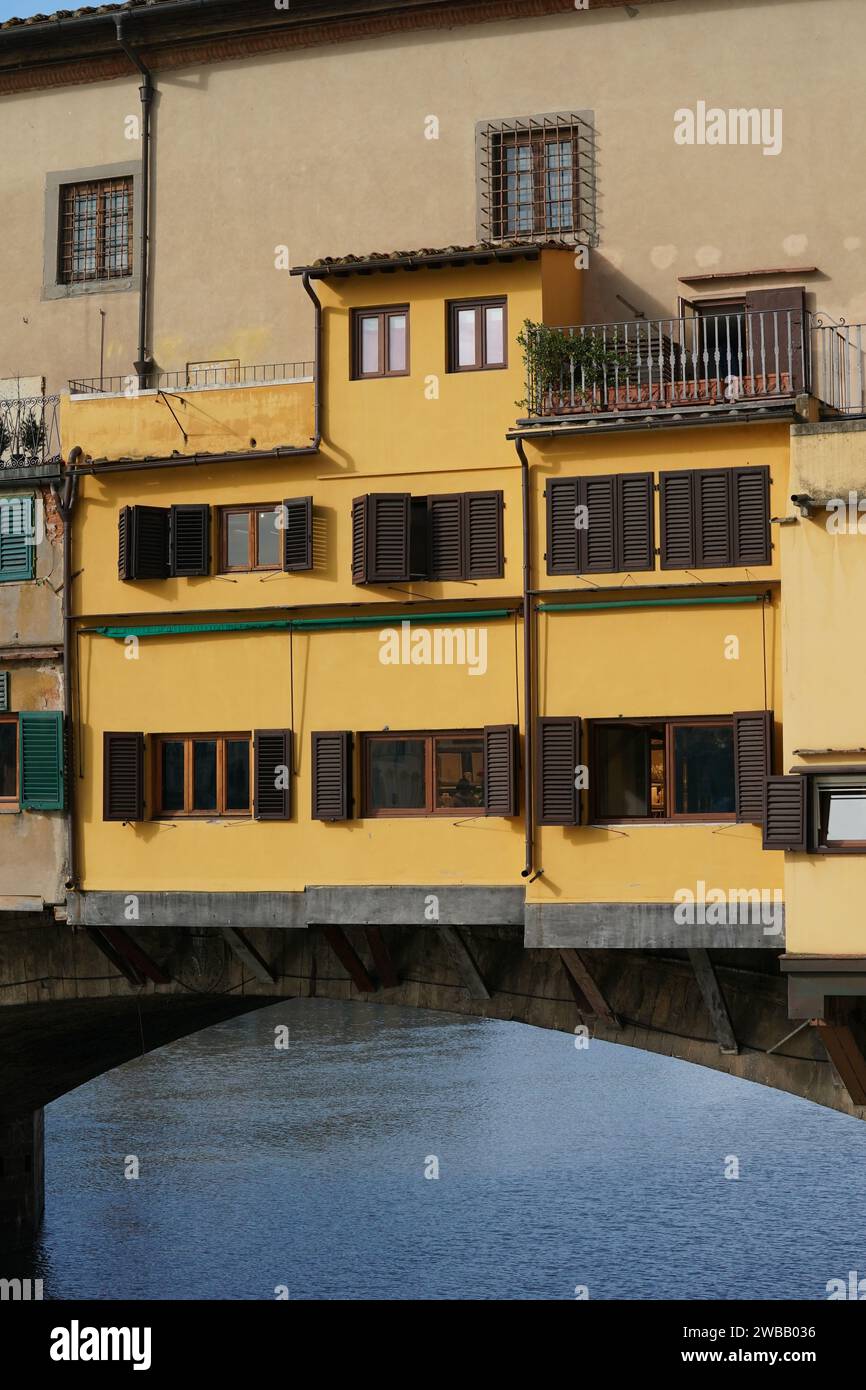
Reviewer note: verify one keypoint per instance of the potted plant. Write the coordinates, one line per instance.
(555, 358)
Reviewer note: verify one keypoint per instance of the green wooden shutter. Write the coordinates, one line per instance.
(17, 539)
(41, 757)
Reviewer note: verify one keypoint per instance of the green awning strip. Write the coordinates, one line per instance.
(298, 624)
(647, 603)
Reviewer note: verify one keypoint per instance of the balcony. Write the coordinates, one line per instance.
(707, 364)
(29, 438)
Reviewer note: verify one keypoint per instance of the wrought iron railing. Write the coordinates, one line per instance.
(838, 368)
(202, 374)
(29, 432)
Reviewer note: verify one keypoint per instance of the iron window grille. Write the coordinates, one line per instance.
(96, 231)
(536, 178)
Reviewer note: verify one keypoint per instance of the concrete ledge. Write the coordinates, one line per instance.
(186, 909)
(413, 906)
(635, 926)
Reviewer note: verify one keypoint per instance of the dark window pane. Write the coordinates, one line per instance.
(397, 775)
(237, 526)
(704, 770)
(8, 751)
(622, 773)
(204, 775)
(459, 767)
(268, 537)
(237, 774)
(843, 814)
(172, 776)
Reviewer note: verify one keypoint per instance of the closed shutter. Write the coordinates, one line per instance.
(143, 543)
(558, 755)
(190, 539)
(501, 760)
(774, 339)
(17, 539)
(123, 776)
(359, 540)
(785, 813)
(751, 495)
(753, 741)
(447, 556)
(298, 533)
(483, 512)
(562, 533)
(597, 549)
(5, 696)
(677, 521)
(713, 522)
(41, 758)
(380, 538)
(272, 774)
(332, 776)
(635, 522)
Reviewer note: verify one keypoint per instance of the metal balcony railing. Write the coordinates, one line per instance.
(732, 359)
(29, 433)
(198, 374)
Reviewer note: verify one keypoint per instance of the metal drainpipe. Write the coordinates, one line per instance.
(528, 701)
(317, 368)
(143, 365)
(66, 506)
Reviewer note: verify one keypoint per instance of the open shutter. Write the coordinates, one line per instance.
(751, 498)
(447, 557)
(562, 533)
(501, 761)
(677, 521)
(597, 542)
(5, 696)
(713, 519)
(558, 754)
(359, 539)
(776, 317)
(635, 525)
(753, 742)
(124, 543)
(17, 538)
(143, 543)
(332, 776)
(298, 533)
(273, 774)
(189, 543)
(483, 512)
(785, 813)
(123, 777)
(41, 758)
(388, 537)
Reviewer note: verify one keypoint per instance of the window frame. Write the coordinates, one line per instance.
(670, 723)
(52, 286)
(381, 312)
(252, 511)
(537, 143)
(103, 248)
(430, 810)
(453, 308)
(13, 803)
(834, 781)
(187, 739)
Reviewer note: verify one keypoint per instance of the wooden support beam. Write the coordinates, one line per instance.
(249, 955)
(465, 963)
(843, 1034)
(128, 956)
(587, 995)
(388, 977)
(349, 959)
(117, 960)
(714, 1000)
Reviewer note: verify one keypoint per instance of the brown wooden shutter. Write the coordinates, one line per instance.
(635, 522)
(772, 313)
(272, 764)
(677, 521)
(123, 777)
(753, 743)
(751, 501)
(189, 539)
(143, 543)
(483, 524)
(558, 754)
(332, 776)
(713, 518)
(447, 557)
(562, 533)
(597, 542)
(359, 539)
(388, 537)
(501, 762)
(298, 533)
(124, 543)
(785, 812)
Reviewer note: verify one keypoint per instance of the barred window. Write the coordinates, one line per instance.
(96, 227)
(536, 178)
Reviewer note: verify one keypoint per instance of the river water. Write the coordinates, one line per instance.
(303, 1169)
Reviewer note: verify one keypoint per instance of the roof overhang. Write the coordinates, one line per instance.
(450, 256)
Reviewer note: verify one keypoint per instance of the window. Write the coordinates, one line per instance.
(397, 538)
(715, 517)
(8, 761)
(250, 537)
(476, 335)
(203, 775)
(676, 769)
(424, 774)
(536, 177)
(17, 539)
(839, 808)
(380, 341)
(96, 230)
(600, 524)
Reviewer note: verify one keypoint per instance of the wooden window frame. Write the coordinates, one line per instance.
(10, 803)
(670, 723)
(252, 511)
(429, 810)
(537, 144)
(453, 307)
(221, 739)
(830, 781)
(381, 312)
(103, 247)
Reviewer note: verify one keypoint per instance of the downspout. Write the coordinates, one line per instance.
(528, 693)
(66, 505)
(317, 367)
(143, 364)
